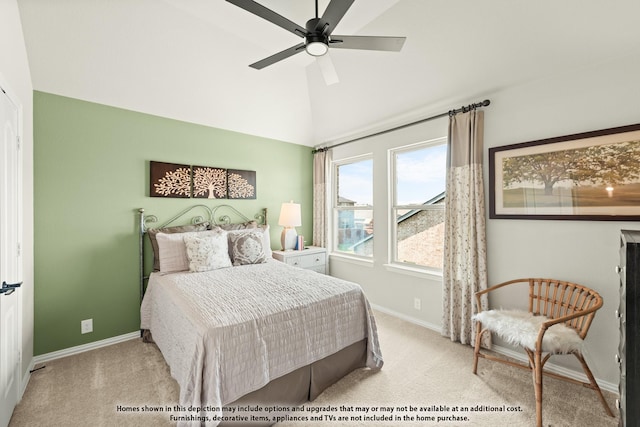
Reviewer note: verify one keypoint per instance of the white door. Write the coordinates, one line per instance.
(10, 263)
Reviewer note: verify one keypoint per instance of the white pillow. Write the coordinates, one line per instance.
(172, 251)
(267, 240)
(208, 252)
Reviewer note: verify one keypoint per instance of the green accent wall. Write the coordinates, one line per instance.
(91, 167)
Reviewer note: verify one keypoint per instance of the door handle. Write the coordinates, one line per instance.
(9, 288)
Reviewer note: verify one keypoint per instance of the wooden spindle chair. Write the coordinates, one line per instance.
(560, 314)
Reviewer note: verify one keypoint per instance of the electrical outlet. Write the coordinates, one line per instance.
(417, 304)
(86, 326)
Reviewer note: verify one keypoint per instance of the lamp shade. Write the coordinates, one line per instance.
(290, 215)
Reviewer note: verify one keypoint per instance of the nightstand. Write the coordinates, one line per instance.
(310, 258)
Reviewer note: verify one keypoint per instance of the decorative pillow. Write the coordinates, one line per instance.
(208, 252)
(170, 230)
(172, 251)
(247, 247)
(252, 225)
(267, 240)
(241, 226)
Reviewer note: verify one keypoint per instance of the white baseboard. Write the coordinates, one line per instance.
(84, 347)
(409, 319)
(521, 357)
(69, 352)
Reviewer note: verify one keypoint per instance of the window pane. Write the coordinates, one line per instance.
(420, 180)
(355, 184)
(355, 232)
(420, 174)
(420, 237)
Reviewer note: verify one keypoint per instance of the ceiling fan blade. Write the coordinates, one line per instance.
(333, 14)
(278, 57)
(391, 44)
(270, 15)
(327, 69)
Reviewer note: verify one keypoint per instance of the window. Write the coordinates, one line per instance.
(353, 207)
(418, 176)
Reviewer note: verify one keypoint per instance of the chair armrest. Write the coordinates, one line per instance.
(495, 287)
(546, 325)
(568, 317)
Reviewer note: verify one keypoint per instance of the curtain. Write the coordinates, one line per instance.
(321, 161)
(465, 254)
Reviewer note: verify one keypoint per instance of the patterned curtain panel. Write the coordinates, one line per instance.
(321, 160)
(465, 254)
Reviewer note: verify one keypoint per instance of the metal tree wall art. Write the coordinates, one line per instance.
(206, 182)
(209, 182)
(170, 180)
(241, 184)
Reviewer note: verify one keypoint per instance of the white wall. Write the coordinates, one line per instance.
(14, 72)
(602, 96)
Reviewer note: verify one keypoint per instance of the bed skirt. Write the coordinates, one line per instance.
(305, 384)
(302, 385)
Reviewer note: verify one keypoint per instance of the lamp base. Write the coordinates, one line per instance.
(288, 238)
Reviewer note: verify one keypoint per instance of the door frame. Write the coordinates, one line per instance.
(22, 377)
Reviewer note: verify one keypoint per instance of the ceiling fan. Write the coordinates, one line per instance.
(318, 32)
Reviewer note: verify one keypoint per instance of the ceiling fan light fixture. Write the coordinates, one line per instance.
(316, 48)
(317, 32)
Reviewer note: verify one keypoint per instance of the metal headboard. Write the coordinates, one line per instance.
(214, 216)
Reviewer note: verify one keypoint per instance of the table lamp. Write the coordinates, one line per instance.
(290, 217)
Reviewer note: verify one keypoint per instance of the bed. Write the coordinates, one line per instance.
(241, 329)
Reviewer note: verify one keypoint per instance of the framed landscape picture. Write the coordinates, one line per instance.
(587, 176)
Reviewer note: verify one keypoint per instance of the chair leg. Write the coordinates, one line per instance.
(476, 350)
(594, 384)
(537, 384)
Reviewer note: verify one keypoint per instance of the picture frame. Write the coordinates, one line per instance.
(209, 182)
(169, 180)
(585, 176)
(241, 184)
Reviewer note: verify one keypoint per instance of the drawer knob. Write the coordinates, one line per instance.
(617, 359)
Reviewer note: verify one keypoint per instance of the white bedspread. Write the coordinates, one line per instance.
(228, 332)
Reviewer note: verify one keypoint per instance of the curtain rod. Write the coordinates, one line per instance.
(462, 109)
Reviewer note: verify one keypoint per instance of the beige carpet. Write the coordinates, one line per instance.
(422, 370)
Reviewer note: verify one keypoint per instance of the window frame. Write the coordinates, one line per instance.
(393, 262)
(335, 209)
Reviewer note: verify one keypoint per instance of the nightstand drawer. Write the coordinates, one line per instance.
(307, 261)
(296, 261)
(312, 258)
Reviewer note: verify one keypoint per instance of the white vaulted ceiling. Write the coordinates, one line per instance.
(188, 59)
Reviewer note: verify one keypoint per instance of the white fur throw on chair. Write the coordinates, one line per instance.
(519, 327)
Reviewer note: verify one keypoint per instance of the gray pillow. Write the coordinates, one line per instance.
(247, 247)
(241, 226)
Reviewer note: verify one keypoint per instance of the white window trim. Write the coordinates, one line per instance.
(360, 259)
(393, 264)
(353, 259)
(416, 271)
